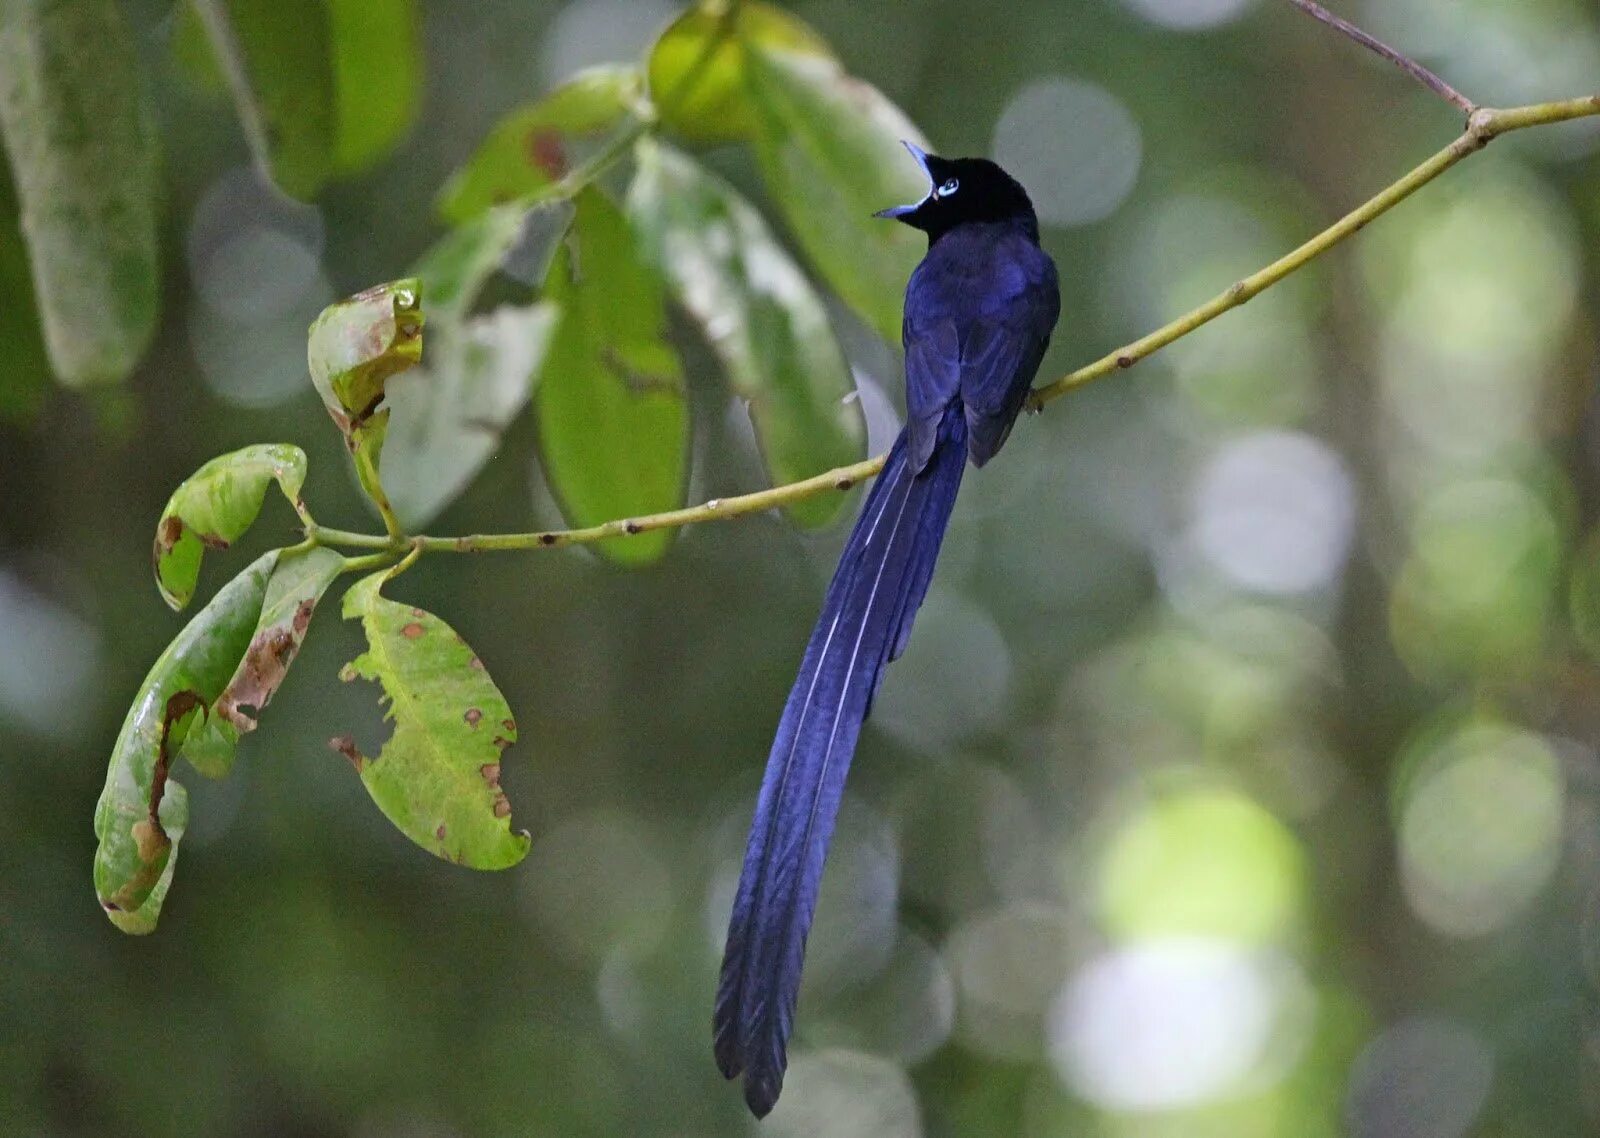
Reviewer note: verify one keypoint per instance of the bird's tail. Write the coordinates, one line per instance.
(866, 619)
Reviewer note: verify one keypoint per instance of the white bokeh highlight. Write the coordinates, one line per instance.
(1074, 144)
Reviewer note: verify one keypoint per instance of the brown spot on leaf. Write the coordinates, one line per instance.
(262, 670)
(179, 704)
(491, 775)
(502, 806)
(474, 716)
(510, 725)
(411, 631)
(302, 617)
(416, 612)
(438, 834)
(168, 534)
(547, 539)
(346, 746)
(476, 663)
(546, 152)
(502, 742)
(213, 541)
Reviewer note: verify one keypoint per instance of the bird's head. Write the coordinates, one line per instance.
(962, 190)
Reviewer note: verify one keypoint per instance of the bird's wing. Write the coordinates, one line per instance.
(1001, 349)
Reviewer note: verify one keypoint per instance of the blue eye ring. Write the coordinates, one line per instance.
(947, 187)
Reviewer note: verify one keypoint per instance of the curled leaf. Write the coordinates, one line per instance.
(696, 66)
(141, 813)
(297, 583)
(213, 508)
(358, 343)
(532, 147)
(829, 149)
(613, 419)
(438, 776)
(83, 151)
(759, 314)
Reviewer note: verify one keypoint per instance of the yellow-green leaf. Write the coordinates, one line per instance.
(83, 154)
(696, 66)
(213, 508)
(759, 314)
(613, 419)
(358, 343)
(438, 776)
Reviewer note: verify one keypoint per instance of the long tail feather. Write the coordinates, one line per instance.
(866, 618)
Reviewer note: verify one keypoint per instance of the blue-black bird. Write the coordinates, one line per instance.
(979, 311)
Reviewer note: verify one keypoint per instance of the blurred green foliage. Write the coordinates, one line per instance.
(1241, 778)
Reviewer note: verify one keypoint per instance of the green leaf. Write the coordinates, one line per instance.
(377, 74)
(296, 585)
(448, 415)
(214, 506)
(438, 777)
(358, 343)
(83, 153)
(277, 56)
(532, 146)
(141, 813)
(759, 314)
(696, 66)
(613, 420)
(829, 149)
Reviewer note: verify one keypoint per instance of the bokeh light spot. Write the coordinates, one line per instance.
(1074, 145)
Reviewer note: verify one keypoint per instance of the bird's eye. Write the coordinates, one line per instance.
(950, 186)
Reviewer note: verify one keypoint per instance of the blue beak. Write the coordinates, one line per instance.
(921, 156)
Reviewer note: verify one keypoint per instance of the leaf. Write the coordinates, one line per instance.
(438, 777)
(696, 66)
(297, 583)
(759, 314)
(141, 813)
(613, 422)
(26, 377)
(358, 343)
(448, 415)
(213, 508)
(531, 147)
(83, 153)
(377, 75)
(277, 56)
(829, 149)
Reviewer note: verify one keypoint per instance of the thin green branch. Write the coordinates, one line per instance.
(1483, 126)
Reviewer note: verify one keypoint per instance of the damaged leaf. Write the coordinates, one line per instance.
(532, 147)
(758, 312)
(141, 813)
(357, 343)
(82, 148)
(438, 776)
(296, 585)
(213, 508)
(613, 418)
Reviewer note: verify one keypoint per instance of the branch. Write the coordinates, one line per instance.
(1405, 63)
(1483, 127)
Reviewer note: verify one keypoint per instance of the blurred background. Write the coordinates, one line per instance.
(1240, 778)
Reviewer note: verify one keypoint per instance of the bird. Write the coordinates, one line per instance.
(980, 308)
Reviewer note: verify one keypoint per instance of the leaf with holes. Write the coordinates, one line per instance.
(830, 154)
(533, 146)
(83, 151)
(696, 66)
(141, 813)
(438, 776)
(215, 506)
(296, 585)
(613, 419)
(758, 312)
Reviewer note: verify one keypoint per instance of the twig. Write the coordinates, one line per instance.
(1405, 63)
(1483, 126)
